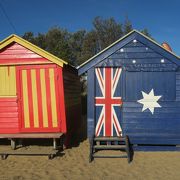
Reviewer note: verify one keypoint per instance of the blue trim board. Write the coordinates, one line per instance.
(90, 103)
(153, 148)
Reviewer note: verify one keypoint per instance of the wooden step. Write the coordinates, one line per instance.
(120, 147)
(109, 156)
(109, 139)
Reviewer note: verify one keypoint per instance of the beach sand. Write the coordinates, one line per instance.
(74, 165)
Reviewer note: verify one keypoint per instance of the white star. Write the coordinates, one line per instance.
(149, 101)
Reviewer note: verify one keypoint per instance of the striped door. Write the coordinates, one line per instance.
(39, 99)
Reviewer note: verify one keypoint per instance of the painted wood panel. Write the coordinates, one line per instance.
(17, 54)
(39, 99)
(9, 115)
(147, 128)
(72, 94)
(8, 81)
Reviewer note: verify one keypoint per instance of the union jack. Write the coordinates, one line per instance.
(108, 119)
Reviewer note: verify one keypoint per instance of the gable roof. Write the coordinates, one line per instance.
(14, 38)
(122, 42)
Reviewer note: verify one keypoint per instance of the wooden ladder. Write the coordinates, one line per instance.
(109, 143)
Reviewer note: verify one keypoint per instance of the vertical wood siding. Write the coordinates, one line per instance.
(178, 85)
(72, 90)
(38, 99)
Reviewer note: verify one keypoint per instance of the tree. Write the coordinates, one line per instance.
(57, 43)
(29, 36)
(81, 45)
(107, 31)
(76, 45)
(127, 27)
(40, 40)
(145, 32)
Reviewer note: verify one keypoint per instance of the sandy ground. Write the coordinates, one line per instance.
(74, 165)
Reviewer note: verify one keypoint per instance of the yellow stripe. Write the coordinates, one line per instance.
(34, 96)
(44, 101)
(25, 99)
(53, 98)
(2, 80)
(12, 80)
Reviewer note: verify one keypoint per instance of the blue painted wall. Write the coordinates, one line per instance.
(151, 70)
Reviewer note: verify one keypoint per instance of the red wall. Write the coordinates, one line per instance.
(8, 115)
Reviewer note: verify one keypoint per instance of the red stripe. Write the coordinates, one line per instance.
(57, 97)
(61, 100)
(30, 100)
(48, 98)
(108, 105)
(108, 101)
(39, 95)
(20, 99)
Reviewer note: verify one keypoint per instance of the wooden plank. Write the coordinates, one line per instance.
(8, 120)
(109, 138)
(6, 125)
(105, 147)
(109, 156)
(131, 49)
(8, 114)
(155, 139)
(8, 109)
(90, 103)
(32, 135)
(135, 55)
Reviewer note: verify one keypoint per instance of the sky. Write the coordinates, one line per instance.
(160, 17)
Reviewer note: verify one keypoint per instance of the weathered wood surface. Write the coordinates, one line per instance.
(32, 135)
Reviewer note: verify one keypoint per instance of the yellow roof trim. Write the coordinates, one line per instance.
(121, 40)
(32, 47)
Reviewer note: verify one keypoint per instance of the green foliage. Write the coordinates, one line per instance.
(107, 31)
(127, 27)
(81, 45)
